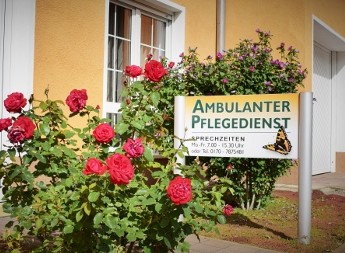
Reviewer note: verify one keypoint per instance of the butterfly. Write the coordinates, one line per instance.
(282, 144)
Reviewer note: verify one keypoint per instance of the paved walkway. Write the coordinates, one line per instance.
(331, 183)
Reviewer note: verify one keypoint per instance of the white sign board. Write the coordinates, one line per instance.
(251, 126)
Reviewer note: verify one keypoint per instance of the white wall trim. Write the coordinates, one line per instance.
(17, 53)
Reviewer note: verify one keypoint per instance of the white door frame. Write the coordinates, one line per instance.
(330, 39)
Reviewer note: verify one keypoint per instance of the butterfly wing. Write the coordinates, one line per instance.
(282, 144)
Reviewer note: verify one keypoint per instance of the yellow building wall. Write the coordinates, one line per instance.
(69, 48)
(288, 21)
(69, 36)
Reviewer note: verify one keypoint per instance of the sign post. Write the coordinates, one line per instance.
(305, 167)
(251, 126)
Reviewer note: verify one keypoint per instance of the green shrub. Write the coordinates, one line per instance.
(248, 68)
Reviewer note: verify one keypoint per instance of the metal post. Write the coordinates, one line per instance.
(220, 25)
(305, 166)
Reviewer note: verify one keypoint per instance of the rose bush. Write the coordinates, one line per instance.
(99, 188)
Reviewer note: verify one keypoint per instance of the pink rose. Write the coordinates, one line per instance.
(104, 133)
(120, 169)
(133, 71)
(229, 167)
(180, 190)
(154, 71)
(171, 64)
(94, 166)
(76, 100)
(133, 148)
(5, 123)
(16, 134)
(15, 102)
(228, 210)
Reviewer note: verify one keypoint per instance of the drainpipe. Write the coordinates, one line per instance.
(220, 25)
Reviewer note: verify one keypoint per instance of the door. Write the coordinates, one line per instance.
(322, 110)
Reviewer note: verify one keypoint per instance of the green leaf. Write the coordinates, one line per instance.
(121, 128)
(155, 97)
(147, 202)
(131, 237)
(68, 134)
(221, 219)
(110, 221)
(93, 196)
(158, 207)
(98, 218)
(39, 223)
(164, 222)
(148, 154)
(87, 208)
(68, 229)
(44, 128)
(69, 182)
(79, 215)
(138, 124)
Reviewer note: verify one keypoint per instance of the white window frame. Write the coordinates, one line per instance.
(175, 36)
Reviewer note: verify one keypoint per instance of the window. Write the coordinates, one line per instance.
(133, 31)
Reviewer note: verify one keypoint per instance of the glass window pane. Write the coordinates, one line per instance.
(144, 51)
(146, 30)
(110, 52)
(111, 19)
(123, 54)
(110, 86)
(159, 34)
(119, 86)
(114, 117)
(158, 53)
(123, 22)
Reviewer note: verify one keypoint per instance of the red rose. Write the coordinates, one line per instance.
(103, 133)
(154, 71)
(15, 102)
(133, 71)
(5, 123)
(120, 169)
(180, 190)
(133, 148)
(94, 166)
(228, 210)
(76, 100)
(26, 124)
